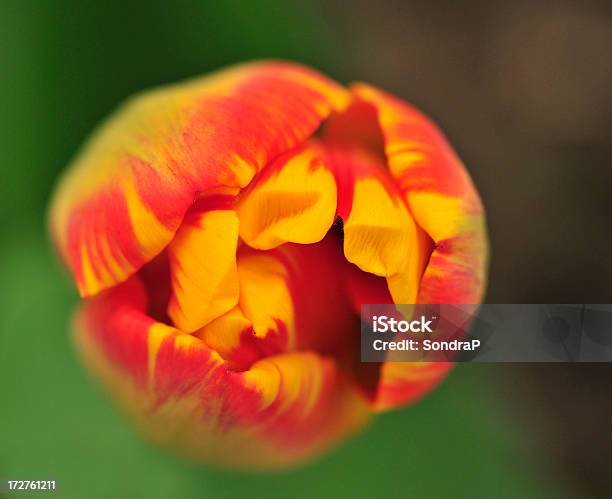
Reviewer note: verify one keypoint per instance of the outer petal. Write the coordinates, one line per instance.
(182, 395)
(440, 196)
(443, 202)
(127, 191)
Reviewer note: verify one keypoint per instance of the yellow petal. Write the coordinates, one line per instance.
(379, 232)
(203, 268)
(292, 200)
(404, 285)
(380, 235)
(264, 295)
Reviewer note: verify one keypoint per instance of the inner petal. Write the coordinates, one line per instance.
(203, 264)
(380, 235)
(265, 298)
(233, 337)
(291, 298)
(291, 200)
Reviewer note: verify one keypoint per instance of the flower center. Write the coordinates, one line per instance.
(294, 297)
(285, 263)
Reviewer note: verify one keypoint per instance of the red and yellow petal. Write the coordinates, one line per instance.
(450, 250)
(291, 200)
(124, 197)
(440, 197)
(380, 235)
(233, 337)
(282, 410)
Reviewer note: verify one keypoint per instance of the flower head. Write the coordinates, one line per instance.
(226, 230)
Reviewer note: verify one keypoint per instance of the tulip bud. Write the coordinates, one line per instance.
(224, 233)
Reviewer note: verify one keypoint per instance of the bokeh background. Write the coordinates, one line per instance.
(522, 89)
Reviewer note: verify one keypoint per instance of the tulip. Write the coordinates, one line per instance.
(224, 232)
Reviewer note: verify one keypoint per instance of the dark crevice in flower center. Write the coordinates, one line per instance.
(338, 227)
(155, 276)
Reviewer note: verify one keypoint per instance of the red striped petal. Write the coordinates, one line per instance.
(440, 196)
(380, 235)
(444, 252)
(283, 409)
(125, 195)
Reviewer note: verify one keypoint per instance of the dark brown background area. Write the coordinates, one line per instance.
(523, 90)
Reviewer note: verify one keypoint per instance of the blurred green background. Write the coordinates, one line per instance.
(523, 92)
